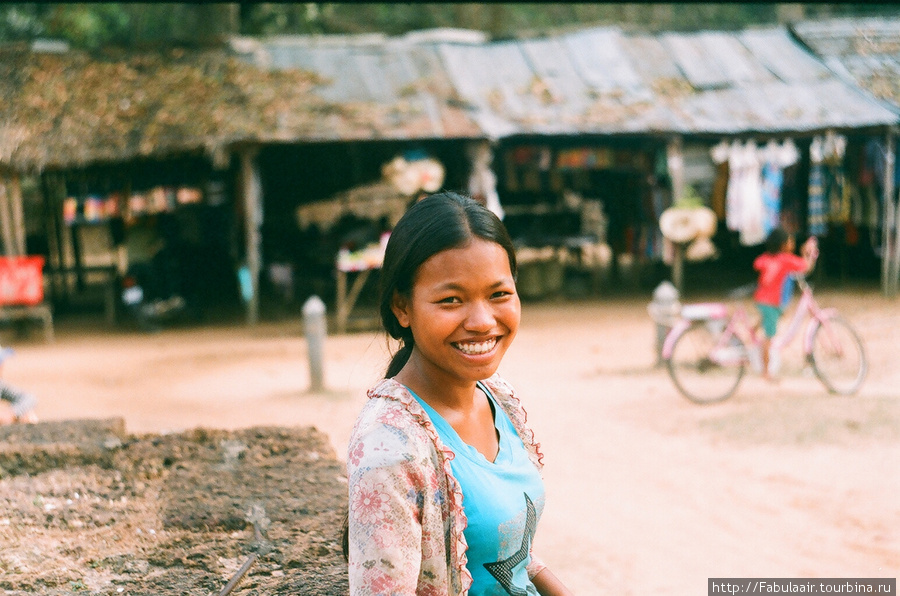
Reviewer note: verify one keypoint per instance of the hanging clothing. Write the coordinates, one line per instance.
(816, 217)
(791, 199)
(773, 179)
(726, 156)
(719, 190)
(749, 187)
(777, 158)
(482, 180)
(743, 204)
(816, 207)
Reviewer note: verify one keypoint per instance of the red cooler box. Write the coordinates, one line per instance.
(21, 280)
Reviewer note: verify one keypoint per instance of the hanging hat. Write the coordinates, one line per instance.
(5, 353)
(700, 249)
(677, 225)
(705, 221)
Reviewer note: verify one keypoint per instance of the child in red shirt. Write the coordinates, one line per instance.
(773, 289)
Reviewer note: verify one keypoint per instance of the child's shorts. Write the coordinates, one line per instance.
(770, 315)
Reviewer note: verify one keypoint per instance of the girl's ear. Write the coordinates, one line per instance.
(400, 308)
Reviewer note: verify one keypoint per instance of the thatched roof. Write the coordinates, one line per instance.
(69, 109)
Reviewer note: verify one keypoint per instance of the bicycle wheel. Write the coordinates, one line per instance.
(699, 377)
(838, 356)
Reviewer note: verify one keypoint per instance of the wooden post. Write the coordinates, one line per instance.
(678, 267)
(18, 214)
(252, 195)
(889, 251)
(46, 227)
(894, 270)
(675, 163)
(57, 195)
(5, 223)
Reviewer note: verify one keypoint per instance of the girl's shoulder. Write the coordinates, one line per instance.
(390, 405)
(393, 416)
(505, 395)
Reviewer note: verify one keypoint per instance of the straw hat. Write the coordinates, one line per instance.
(678, 225)
(705, 221)
(700, 249)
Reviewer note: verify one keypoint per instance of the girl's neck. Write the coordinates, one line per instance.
(438, 391)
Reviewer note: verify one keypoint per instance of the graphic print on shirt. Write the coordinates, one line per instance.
(503, 570)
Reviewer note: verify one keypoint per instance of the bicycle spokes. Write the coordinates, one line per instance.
(705, 366)
(838, 356)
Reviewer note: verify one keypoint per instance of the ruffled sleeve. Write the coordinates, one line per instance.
(385, 530)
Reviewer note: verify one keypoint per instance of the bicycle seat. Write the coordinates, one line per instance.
(702, 311)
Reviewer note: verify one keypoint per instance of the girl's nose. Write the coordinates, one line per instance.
(480, 317)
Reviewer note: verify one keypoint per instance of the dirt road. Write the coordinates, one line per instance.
(647, 492)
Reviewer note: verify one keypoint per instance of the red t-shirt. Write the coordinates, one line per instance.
(773, 270)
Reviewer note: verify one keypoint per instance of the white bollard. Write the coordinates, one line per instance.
(664, 310)
(314, 328)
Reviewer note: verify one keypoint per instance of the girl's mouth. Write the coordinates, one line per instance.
(475, 348)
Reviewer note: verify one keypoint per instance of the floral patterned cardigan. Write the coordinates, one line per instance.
(406, 516)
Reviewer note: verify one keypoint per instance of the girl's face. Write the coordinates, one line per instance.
(463, 312)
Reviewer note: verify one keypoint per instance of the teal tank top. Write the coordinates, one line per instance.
(503, 501)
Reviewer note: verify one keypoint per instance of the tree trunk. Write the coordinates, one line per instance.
(207, 24)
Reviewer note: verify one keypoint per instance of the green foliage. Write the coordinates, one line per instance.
(88, 25)
(91, 25)
(21, 21)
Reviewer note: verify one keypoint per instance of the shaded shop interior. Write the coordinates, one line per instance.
(294, 175)
(175, 214)
(546, 183)
(564, 199)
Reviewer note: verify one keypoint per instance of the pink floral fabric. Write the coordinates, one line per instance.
(406, 516)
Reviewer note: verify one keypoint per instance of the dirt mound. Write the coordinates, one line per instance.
(85, 507)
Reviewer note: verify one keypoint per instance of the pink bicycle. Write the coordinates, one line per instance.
(708, 350)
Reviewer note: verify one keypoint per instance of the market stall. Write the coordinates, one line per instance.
(381, 203)
(582, 211)
(170, 217)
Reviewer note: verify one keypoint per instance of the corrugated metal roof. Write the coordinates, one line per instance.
(865, 52)
(453, 84)
(604, 81)
(403, 79)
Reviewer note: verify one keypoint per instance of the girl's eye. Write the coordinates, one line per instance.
(449, 300)
(501, 294)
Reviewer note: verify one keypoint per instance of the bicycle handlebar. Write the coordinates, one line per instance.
(801, 281)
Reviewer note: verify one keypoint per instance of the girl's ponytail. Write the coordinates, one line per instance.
(400, 358)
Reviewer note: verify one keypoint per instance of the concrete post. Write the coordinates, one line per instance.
(664, 310)
(314, 328)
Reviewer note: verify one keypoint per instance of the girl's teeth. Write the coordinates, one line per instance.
(477, 348)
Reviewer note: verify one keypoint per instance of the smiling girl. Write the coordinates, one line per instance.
(445, 485)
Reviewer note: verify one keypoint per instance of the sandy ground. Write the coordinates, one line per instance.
(647, 492)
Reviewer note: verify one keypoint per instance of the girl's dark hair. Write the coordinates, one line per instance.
(776, 240)
(436, 223)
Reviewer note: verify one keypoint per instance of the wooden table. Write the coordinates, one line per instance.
(24, 312)
(346, 300)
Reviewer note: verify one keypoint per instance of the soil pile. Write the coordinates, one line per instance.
(86, 507)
